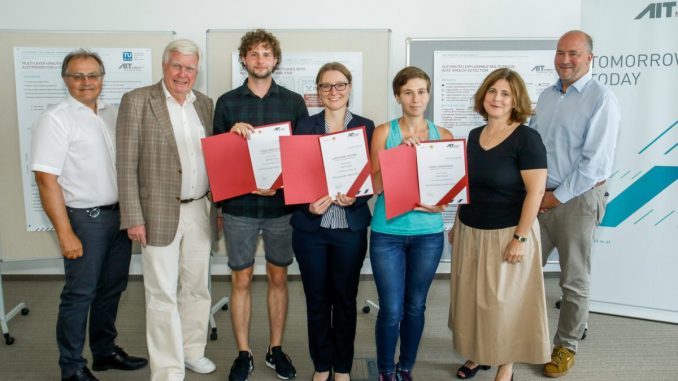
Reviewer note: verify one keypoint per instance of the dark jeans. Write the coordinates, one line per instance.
(94, 283)
(403, 268)
(329, 262)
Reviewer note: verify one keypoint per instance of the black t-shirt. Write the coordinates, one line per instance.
(496, 188)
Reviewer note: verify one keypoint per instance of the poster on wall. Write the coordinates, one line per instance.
(37, 72)
(458, 74)
(634, 256)
(297, 72)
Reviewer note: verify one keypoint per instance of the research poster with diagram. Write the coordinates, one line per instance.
(458, 74)
(37, 72)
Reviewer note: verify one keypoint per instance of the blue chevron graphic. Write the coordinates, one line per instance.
(638, 194)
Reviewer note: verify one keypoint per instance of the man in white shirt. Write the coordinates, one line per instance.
(73, 158)
(163, 188)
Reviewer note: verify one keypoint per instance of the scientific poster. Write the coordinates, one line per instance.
(39, 85)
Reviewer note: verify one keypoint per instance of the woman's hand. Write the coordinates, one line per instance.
(514, 251)
(243, 129)
(320, 206)
(430, 208)
(450, 236)
(411, 141)
(344, 200)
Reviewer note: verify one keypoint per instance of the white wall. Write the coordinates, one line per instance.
(191, 19)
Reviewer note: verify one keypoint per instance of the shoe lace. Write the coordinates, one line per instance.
(242, 364)
(282, 361)
(559, 356)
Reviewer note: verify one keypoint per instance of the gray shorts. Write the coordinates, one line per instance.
(241, 235)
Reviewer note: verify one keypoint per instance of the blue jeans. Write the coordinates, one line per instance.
(94, 284)
(403, 268)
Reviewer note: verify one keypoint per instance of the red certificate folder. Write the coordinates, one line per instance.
(229, 167)
(401, 181)
(304, 172)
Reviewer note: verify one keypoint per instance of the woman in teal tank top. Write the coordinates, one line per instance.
(405, 250)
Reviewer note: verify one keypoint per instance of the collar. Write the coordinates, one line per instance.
(190, 97)
(77, 104)
(244, 90)
(579, 84)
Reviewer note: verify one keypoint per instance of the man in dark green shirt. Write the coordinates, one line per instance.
(259, 101)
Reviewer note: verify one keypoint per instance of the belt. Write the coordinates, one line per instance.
(94, 212)
(115, 206)
(186, 201)
(596, 185)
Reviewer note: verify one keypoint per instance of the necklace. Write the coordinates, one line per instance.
(491, 135)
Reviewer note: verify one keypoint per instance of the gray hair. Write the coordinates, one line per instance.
(81, 53)
(181, 46)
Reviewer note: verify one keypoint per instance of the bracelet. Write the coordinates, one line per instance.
(519, 238)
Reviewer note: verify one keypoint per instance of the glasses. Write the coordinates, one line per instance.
(326, 87)
(82, 76)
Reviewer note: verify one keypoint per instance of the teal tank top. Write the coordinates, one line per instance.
(410, 223)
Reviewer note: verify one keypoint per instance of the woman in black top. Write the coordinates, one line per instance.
(498, 308)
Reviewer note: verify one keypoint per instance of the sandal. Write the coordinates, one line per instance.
(470, 372)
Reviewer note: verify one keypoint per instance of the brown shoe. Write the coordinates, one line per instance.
(562, 359)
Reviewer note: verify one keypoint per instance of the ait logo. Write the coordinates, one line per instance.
(125, 66)
(658, 10)
(538, 68)
(127, 56)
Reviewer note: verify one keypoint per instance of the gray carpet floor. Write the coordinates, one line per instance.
(616, 348)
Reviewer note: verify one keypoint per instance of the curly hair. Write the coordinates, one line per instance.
(260, 36)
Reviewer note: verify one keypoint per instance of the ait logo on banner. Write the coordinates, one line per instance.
(658, 10)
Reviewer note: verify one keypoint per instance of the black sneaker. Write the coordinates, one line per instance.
(281, 363)
(242, 367)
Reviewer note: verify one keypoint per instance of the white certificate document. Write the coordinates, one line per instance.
(264, 147)
(440, 165)
(344, 158)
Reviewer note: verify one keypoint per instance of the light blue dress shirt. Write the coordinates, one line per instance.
(579, 128)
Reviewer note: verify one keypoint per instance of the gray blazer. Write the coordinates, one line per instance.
(148, 166)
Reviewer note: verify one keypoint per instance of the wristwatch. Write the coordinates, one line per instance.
(519, 238)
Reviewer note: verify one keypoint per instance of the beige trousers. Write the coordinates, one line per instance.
(570, 228)
(177, 294)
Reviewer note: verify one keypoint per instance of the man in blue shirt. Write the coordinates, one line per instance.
(578, 119)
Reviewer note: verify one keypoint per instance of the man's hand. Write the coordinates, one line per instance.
(243, 129)
(549, 201)
(137, 233)
(264, 192)
(71, 247)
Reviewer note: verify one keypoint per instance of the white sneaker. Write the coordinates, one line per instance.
(201, 365)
